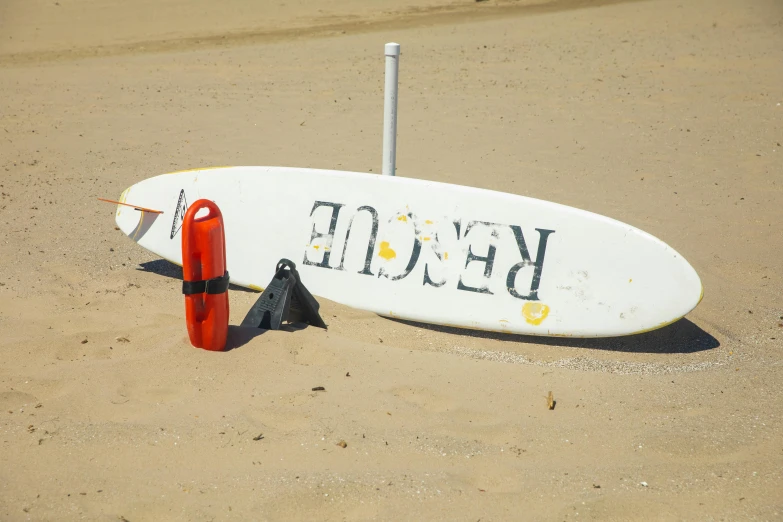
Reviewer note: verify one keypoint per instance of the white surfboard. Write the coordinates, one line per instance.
(426, 251)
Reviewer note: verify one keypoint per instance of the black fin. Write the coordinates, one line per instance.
(285, 299)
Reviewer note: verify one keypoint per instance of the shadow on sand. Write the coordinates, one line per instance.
(241, 335)
(168, 269)
(238, 336)
(682, 336)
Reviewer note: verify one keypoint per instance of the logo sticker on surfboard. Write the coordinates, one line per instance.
(179, 214)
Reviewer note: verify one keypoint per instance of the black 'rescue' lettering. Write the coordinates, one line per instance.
(526, 261)
(489, 259)
(329, 236)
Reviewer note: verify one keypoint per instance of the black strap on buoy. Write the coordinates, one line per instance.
(216, 285)
(285, 299)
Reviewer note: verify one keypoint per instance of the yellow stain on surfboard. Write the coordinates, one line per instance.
(138, 227)
(429, 222)
(200, 168)
(535, 313)
(426, 238)
(402, 218)
(122, 200)
(386, 252)
(446, 256)
(316, 247)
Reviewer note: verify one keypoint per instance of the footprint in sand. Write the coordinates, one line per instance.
(424, 398)
(135, 392)
(16, 400)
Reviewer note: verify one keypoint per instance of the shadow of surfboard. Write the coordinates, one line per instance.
(681, 337)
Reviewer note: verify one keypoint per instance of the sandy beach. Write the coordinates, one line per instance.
(664, 114)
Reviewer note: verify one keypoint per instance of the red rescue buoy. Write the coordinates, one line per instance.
(205, 278)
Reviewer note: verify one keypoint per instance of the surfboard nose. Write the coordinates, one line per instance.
(133, 221)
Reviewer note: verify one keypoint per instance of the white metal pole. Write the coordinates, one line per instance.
(390, 109)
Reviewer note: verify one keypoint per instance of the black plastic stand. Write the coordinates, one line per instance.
(285, 300)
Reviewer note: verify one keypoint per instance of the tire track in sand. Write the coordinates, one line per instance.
(409, 19)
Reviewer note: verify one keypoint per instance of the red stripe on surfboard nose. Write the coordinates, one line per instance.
(136, 207)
